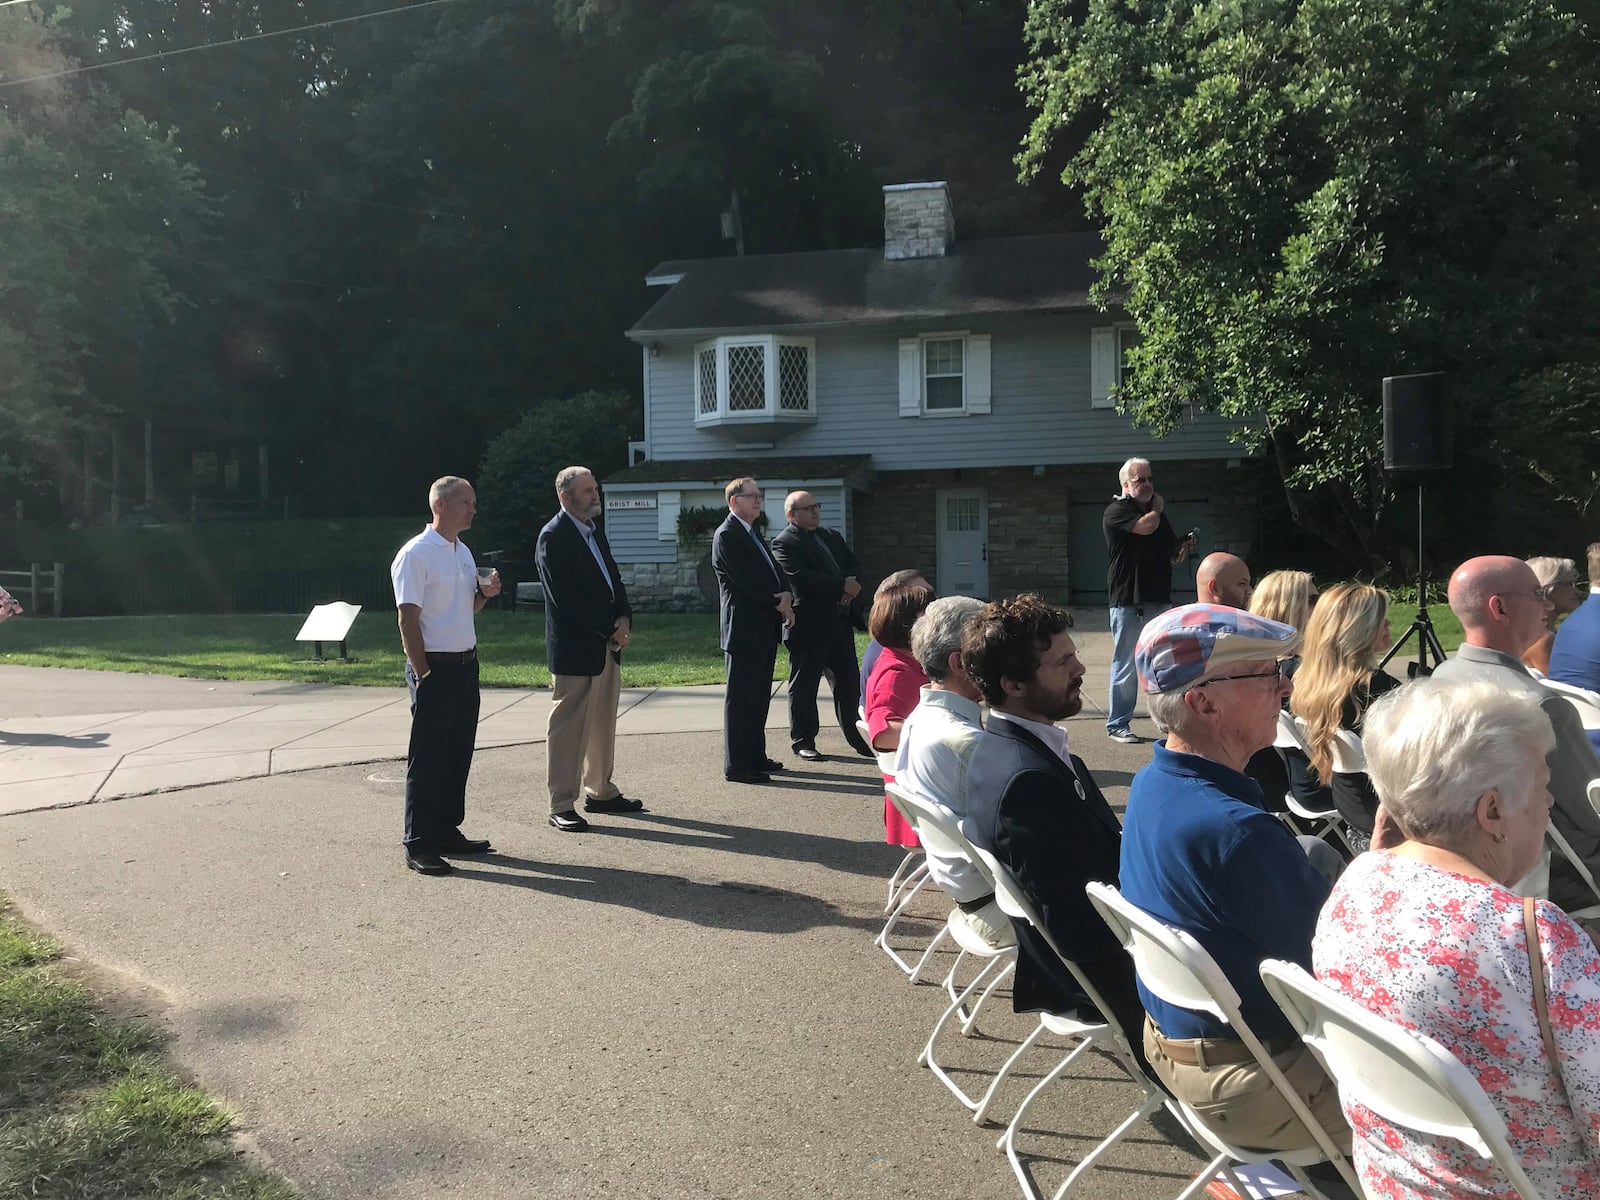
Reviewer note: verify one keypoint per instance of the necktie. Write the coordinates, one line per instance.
(776, 574)
(828, 559)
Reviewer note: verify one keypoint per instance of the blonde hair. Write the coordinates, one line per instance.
(1284, 596)
(1336, 662)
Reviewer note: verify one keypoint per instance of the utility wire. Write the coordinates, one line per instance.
(252, 37)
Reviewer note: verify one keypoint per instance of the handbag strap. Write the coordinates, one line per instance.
(1530, 930)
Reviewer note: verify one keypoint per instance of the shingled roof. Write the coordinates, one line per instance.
(992, 276)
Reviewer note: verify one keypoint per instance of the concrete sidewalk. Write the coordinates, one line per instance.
(98, 736)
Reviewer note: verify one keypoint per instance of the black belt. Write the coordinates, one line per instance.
(453, 656)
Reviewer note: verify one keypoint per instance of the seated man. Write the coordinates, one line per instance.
(1034, 806)
(1200, 854)
(1500, 606)
(936, 745)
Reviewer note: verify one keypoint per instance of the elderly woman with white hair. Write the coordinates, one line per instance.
(1558, 580)
(1425, 931)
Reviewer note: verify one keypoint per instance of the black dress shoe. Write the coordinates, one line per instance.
(617, 804)
(426, 862)
(772, 764)
(811, 754)
(464, 845)
(568, 822)
(747, 777)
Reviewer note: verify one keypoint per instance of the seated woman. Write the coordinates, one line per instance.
(1337, 680)
(1558, 580)
(1285, 596)
(895, 683)
(1425, 932)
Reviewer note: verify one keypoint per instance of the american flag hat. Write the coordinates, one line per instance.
(1184, 645)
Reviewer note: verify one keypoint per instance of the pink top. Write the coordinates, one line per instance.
(1446, 955)
(894, 688)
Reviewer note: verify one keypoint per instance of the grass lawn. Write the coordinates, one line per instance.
(87, 1108)
(668, 650)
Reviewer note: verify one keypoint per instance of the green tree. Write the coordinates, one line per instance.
(1299, 198)
(516, 483)
(91, 196)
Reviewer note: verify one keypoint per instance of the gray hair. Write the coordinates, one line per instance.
(567, 477)
(1434, 746)
(443, 486)
(937, 633)
(1168, 710)
(1550, 571)
(1122, 473)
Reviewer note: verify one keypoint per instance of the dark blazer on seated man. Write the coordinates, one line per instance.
(755, 606)
(818, 563)
(1051, 825)
(580, 606)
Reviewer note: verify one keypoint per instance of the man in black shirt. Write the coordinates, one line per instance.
(1143, 547)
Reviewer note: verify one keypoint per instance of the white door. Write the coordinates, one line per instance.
(963, 542)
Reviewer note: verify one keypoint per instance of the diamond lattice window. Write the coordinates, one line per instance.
(794, 378)
(706, 376)
(747, 378)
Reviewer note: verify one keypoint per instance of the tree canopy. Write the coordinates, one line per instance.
(1300, 198)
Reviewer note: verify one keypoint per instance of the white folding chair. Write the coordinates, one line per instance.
(1106, 1034)
(1405, 1077)
(1564, 847)
(936, 828)
(1586, 702)
(910, 877)
(1178, 969)
(1318, 822)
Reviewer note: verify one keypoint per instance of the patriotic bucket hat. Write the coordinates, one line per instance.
(1184, 645)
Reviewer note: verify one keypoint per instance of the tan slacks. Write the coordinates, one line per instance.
(581, 738)
(1239, 1101)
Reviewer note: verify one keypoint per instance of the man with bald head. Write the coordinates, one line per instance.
(1502, 610)
(821, 572)
(1223, 579)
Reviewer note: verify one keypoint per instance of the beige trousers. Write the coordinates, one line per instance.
(581, 738)
(1240, 1102)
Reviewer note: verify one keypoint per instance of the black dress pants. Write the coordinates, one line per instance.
(835, 657)
(444, 729)
(744, 709)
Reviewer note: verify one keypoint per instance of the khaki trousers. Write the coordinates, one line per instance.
(581, 738)
(1239, 1101)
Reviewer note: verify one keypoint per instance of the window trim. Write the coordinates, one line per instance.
(772, 405)
(963, 336)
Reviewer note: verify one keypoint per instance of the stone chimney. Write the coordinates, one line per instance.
(918, 221)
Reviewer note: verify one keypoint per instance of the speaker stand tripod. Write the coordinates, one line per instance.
(1422, 627)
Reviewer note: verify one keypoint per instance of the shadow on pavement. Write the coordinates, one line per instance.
(71, 741)
(730, 904)
(842, 854)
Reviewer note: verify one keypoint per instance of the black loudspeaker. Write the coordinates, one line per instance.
(1417, 434)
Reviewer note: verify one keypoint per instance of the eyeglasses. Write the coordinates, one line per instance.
(748, 495)
(808, 508)
(1142, 479)
(1278, 672)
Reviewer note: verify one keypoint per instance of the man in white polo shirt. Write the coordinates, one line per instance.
(437, 590)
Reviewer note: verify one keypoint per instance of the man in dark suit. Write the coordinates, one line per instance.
(587, 623)
(1035, 807)
(756, 608)
(821, 571)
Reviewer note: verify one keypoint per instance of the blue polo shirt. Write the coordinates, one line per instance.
(1199, 853)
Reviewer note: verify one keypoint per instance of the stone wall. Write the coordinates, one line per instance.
(666, 587)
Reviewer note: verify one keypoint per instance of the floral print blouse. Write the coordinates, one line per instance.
(1445, 954)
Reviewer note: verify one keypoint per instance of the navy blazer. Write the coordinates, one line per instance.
(816, 582)
(747, 587)
(580, 611)
(1026, 808)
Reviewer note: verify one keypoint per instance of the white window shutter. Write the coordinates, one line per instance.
(1102, 365)
(978, 386)
(667, 506)
(910, 377)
